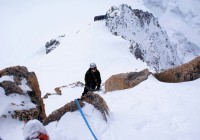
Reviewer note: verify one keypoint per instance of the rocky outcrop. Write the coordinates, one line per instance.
(148, 41)
(19, 81)
(98, 102)
(58, 89)
(125, 80)
(73, 85)
(52, 44)
(26, 115)
(187, 72)
(94, 99)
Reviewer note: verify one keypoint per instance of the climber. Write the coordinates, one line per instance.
(34, 129)
(92, 79)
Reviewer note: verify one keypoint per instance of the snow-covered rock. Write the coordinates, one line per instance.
(148, 40)
(20, 94)
(94, 99)
(71, 126)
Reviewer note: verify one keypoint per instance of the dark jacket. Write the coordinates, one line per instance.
(92, 79)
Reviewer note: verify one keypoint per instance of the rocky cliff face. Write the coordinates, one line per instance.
(148, 41)
(21, 94)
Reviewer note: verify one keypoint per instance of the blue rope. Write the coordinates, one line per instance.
(80, 110)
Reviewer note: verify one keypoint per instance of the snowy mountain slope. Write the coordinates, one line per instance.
(186, 50)
(140, 113)
(181, 20)
(188, 11)
(72, 58)
(152, 110)
(21, 34)
(27, 25)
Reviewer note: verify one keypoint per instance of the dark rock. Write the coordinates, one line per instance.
(46, 95)
(49, 94)
(136, 50)
(144, 17)
(100, 17)
(52, 44)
